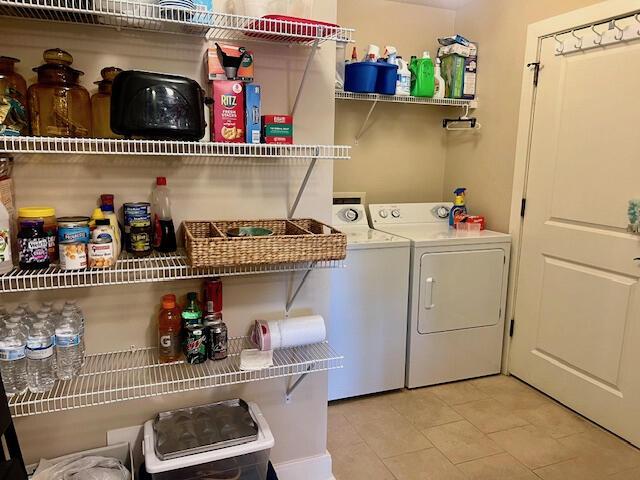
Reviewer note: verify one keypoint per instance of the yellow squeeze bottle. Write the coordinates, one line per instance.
(96, 215)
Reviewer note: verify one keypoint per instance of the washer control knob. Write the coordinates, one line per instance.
(351, 215)
(442, 212)
(395, 213)
(383, 214)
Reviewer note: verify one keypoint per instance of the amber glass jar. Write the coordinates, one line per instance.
(101, 104)
(13, 99)
(58, 105)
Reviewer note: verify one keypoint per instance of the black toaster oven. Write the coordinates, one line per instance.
(157, 106)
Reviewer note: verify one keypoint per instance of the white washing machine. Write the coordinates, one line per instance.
(458, 292)
(368, 308)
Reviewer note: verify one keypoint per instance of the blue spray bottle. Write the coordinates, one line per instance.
(458, 205)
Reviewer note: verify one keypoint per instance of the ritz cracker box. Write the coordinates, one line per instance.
(228, 115)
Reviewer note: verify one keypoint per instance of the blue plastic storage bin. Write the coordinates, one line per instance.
(360, 77)
(387, 77)
(371, 77)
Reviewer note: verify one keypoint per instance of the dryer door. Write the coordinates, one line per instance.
(460, 290)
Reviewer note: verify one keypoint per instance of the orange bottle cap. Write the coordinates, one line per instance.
(169, 301)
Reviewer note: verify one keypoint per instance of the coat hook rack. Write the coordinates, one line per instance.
(594, 37)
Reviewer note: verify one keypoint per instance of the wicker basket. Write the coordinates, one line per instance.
(293, 241)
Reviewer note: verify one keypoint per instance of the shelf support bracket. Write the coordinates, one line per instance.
(292, 298)
(305, 180)
(307, 67)
(295, 385)
(364, 127)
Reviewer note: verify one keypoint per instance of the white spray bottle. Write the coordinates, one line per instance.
(403, 84)
(439, 90)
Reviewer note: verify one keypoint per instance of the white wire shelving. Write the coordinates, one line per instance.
(146, 16)
(158, 267)
(103, 146)
(137, 373)
(376, 97)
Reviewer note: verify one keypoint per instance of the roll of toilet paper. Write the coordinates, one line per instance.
(289, 332)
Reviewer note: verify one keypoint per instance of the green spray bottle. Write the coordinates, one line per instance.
(459, 206)
(423, 81)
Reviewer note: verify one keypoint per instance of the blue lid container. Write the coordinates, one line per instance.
(387, 78)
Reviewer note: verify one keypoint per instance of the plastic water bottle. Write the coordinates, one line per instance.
(55, 315)
(40, 366)
(28, 317)
(13, 364)
(73, 306)
(68, 351)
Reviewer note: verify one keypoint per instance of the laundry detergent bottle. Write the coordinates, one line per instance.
(459, 207)
(422, 76)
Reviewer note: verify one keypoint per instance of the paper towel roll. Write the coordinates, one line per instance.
(289, 332)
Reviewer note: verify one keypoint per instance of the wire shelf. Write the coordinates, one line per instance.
(451, 102)
(241, 28)
(148, 16)
(158, 267)
(104, 146)
(137, 373)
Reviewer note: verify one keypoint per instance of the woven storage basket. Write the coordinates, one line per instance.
(293, 241)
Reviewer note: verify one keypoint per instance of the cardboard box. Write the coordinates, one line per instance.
(253, 122)
(278, 140)
(275, 130)
(278, 119)
(228, 111)
(470, 73)
(214, 69)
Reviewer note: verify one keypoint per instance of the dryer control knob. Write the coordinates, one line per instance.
(383, 214)
(351, 215)
(442, 212)
(395, 213)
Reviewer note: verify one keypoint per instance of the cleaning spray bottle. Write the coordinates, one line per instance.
(439, 81)
(403, 84)
(459, 206)
(391, 55)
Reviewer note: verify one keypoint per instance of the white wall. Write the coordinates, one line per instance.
(118, 317)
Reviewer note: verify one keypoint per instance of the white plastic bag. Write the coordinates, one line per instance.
(82, 468)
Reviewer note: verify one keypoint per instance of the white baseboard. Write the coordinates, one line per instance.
(311, 468)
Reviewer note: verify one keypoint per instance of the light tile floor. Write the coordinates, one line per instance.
(492, 428)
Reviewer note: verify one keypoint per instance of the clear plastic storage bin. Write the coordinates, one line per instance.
(248, 461)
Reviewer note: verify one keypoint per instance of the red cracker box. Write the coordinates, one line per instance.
(279, 140)
(228, 111)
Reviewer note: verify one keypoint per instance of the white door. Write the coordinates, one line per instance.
(577, 310)
(460, 290)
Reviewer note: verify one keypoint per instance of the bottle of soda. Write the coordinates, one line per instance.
(191, 314)
(169, 329)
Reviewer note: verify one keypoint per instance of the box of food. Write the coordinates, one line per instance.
(252, 97)
(278, 140)
(228, 111)
(277, 119)
(277, 129)
(214, 69)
